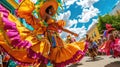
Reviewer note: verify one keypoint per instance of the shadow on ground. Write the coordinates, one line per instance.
(96, 59)
(113, 64)
(75, 65)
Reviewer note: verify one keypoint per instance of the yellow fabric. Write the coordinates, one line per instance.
(50, 21)
(25, 7)
(42, 47)
(64, 52)
(80, 44)
(3, 33)
(22, 30)
(19, 54)
(30, 19)
(61, 54)
(1, 37)
(37, 46)
(61, 23)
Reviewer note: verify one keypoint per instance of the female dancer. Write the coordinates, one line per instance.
(41, 44)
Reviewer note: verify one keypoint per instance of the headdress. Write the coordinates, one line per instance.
(48, 3)
(109, 27)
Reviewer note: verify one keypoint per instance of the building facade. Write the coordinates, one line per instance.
(93, 33)
(116, 9)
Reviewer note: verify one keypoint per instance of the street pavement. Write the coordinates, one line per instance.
(101, 61)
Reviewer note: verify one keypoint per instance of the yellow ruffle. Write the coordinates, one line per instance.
(81, 45)
(25, 11)
(26, 7)
(21, 54)
(62, 54)
(18, 54)
(42, 47)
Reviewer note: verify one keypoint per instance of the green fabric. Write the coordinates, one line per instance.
(8, 6)
(45, 23)
(11, 63)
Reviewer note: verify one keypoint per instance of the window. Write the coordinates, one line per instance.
(94, 34)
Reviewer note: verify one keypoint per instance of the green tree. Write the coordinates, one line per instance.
(114, 20)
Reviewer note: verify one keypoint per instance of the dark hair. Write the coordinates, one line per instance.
(86, 35)
(110, 31)
(47, 10)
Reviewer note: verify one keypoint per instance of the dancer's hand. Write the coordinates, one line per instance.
(76, 35)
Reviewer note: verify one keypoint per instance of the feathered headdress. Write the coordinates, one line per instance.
(42, 5)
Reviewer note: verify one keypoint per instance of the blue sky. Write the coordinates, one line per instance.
(104, 6)
(80, 15)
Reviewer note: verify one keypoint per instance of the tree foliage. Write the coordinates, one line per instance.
(114, 20)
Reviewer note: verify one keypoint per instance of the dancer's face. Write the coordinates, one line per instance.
(51, 11)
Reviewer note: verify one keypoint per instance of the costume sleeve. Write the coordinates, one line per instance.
(25, 10)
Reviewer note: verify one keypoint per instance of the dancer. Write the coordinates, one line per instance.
(108, 45)
(41, 44)
(92, 49)
(70, 39)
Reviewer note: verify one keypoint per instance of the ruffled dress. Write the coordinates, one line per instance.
(29, 47)
(111, 47)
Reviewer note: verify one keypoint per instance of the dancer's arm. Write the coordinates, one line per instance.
(69, 32)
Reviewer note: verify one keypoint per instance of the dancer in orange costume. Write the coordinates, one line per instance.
(41, 44)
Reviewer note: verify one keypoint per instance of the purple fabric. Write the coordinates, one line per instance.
(8, 25)
(15, 41)
(5, 12)
(39, 56)
(105, 33)
(20, 43)
(14, 36)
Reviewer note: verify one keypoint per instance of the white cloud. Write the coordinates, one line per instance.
(83, 3)
(65, 16)
(34, 1)
(87, 14)
(69, 2)
(117, 2)
(94, 21)
(86, 3)
(88, 10)
(81, 31)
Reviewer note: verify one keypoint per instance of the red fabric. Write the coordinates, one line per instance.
(20, 1)
(110, 29)
(105, 47)
(6, 58)
(108, 26)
